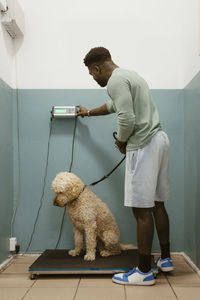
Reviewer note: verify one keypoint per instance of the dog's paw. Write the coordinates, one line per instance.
(105, 253)
(73, 252)
(89, 256)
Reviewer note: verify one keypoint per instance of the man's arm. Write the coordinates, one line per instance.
(120, 94)
(99, 111)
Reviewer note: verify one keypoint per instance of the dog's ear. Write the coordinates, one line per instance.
(73, 189)
(60, 183)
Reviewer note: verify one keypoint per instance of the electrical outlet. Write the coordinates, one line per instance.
(13, 243)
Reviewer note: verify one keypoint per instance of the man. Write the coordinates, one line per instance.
(140, 136)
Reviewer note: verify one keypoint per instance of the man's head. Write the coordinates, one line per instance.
(100, 64)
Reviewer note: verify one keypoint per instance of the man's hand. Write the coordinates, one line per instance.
(121, 146)
(82, 111)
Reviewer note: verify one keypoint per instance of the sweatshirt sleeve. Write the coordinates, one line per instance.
(110, 107)
(119, 91)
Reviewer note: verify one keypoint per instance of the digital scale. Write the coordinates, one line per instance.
(54, 262)
(64, 111)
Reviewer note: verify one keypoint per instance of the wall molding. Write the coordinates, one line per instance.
(6, 263)
(191, 263)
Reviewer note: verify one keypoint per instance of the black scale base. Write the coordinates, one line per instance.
(60, 262)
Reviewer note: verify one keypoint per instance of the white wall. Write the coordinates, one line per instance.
(192, 39)
(7, 57)
(148, 36)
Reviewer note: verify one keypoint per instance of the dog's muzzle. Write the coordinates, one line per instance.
(57, 201)
(54, 201)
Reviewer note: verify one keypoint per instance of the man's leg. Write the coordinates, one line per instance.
(162, 227)
(145, 231)
(141, 275)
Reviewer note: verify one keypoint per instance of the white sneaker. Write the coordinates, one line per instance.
(165, 265)
(134, 277)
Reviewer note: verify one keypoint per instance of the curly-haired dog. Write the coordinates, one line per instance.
(89, 215)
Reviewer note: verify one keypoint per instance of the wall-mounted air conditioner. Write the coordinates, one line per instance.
(13, 19)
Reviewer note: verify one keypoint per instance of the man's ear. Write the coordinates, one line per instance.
(97, 69)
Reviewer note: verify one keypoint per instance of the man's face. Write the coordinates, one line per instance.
(98, 74)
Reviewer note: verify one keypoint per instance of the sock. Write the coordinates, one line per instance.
(165, 250)
(144, 263)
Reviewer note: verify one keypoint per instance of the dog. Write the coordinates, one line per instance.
(89, 216)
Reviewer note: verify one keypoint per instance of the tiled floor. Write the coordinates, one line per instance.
(182, 284)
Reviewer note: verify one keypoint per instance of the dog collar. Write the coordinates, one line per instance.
(79, 194)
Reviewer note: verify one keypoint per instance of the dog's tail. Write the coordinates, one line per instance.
(127, 246)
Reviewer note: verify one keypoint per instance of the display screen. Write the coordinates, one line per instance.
(60, 110)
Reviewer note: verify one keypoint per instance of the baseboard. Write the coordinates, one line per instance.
(191, 263)
(28, 254)
(5, 263)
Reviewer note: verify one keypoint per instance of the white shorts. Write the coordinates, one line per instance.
(147, 173)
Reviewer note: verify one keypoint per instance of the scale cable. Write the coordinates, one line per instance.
(43, 187)
(70, 168)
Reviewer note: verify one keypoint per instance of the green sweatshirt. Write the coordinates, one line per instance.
(138, 118)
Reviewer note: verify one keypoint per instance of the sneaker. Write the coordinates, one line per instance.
(155, 271)
(134, 277)
(165, 265)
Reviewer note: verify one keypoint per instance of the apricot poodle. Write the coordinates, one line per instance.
(89, 215)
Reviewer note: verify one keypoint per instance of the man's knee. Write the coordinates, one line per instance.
(141, 213)
(158, 206)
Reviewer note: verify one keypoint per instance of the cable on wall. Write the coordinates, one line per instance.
(43, 187)
(70, 168)
(44, 184)
(18, 151)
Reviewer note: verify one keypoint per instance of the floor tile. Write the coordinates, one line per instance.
(25, 259)
(184, 293)
(57, 282)
(50, 294)
(99, 293)
(156, 292)
(183, 283)
(96, 281)
(182, 267)
(161, 279)
(184, 279)
(12, 294)
(178, 257)
(15, 280)
(106, 281)
(17, 269)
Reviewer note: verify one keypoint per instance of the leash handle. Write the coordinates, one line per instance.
(114, 135)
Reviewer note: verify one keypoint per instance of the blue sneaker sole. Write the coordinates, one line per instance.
(166, 269)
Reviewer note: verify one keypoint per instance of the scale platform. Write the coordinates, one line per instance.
(60, 262)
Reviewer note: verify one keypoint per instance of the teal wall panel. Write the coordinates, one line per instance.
(6, 167)
(192, 170)
(94, 156)
(171, 109)
(24, 126)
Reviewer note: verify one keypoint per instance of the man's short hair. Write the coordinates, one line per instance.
(97, 55)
